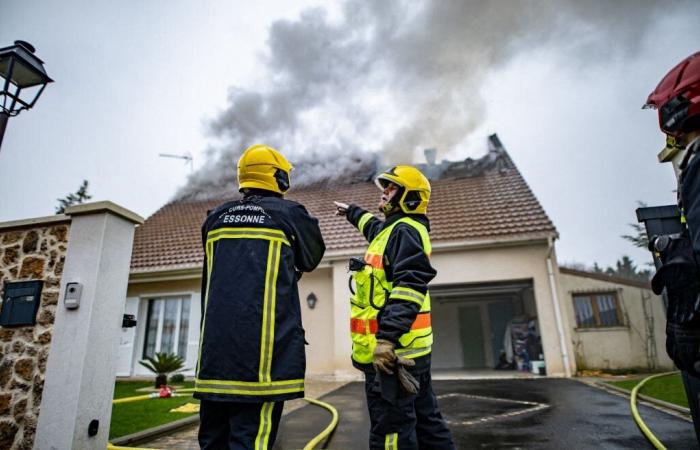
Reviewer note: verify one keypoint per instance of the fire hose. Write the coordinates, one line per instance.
(635, 412)
(311, 445)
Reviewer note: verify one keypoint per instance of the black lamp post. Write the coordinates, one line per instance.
(23, 79)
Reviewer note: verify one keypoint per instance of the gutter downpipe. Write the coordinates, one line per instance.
(557, 309)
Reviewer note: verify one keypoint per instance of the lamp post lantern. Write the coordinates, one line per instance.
(22, 80)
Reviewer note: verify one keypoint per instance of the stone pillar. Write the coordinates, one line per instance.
(31, 249)
(82, 361)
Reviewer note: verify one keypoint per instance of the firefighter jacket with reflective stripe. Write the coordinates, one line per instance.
(251, 345)
(391, 299)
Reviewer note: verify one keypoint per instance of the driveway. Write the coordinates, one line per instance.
(539, 413)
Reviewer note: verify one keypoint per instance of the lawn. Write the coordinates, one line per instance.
(128, 418)
(668, 388)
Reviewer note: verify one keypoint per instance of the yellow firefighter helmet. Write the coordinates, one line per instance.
(263, 167)
(416, 188)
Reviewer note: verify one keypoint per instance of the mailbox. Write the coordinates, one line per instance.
(20, 303)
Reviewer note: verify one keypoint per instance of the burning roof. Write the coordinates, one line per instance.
(472, 200)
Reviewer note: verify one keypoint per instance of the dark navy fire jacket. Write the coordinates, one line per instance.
(251, 338)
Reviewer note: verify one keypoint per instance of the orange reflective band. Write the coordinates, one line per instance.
(422, 321)
(371, 326)
(359, 326)
(374, 260)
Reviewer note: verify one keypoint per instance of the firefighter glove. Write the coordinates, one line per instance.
(384, 357)
(407, 381)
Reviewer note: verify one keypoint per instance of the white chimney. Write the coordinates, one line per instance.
(430, 156)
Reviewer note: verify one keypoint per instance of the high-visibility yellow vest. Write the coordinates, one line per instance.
(372, 290)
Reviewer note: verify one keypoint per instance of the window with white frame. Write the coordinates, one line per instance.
(167, 326)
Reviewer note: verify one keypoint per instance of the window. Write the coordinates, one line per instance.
(167, 326)
(597, 310)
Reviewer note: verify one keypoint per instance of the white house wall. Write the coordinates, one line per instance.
(342, 348)
(144, 291)
(327, 325)
(616, 347)
(318, 322)
(126, 340)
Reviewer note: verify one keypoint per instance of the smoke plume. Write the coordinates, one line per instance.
(392, 77)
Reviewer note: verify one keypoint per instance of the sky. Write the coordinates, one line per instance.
(334, 83)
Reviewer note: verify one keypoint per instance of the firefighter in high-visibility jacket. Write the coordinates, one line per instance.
(251, 349)
(390, 323)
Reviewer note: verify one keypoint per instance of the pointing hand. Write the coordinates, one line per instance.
(341, 208)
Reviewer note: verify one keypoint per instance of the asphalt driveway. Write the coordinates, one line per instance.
(540, 413)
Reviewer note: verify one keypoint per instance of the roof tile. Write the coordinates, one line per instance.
(496, 204)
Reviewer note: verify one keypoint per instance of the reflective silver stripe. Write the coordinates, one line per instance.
(246, 233)
(209, 250)
(262, 388)
(268, 325)
(265, 426)
(219, 232)
(244, 384)
(391, 441)
(412, 351)
(363, 221)
(408, 294)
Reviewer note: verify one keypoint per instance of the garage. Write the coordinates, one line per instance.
(485, 326)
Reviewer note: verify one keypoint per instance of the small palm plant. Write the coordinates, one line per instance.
(162, 365)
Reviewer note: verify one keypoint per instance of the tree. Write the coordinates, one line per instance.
(639, 238)
(80, 196)
(624, 268)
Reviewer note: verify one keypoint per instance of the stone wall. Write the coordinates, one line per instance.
(28, 251)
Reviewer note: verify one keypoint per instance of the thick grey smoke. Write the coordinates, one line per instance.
(392, 77)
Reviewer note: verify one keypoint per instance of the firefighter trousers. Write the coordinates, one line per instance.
(692, 391)
(410, 422)
(238, 425)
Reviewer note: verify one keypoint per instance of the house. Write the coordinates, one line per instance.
(493, 248)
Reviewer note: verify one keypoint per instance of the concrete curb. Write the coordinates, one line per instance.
(661, 405)
(152, 433)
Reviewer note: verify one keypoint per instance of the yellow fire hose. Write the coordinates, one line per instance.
(310, 446)
(114, 447)
(326, 431)
(635, 412)
(142, 397)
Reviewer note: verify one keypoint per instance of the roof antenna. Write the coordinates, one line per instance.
(187, 157)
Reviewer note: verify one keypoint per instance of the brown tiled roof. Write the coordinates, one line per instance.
(605, 277)
(495, 205)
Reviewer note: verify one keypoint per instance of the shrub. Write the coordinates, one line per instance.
(177, 378)
(163, 365)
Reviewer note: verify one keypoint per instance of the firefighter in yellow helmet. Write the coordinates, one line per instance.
(390, 324)
(251, 350)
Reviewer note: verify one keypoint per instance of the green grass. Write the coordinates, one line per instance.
(668, 388)
(128, 418)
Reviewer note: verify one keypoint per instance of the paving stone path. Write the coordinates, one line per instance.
(186, 439)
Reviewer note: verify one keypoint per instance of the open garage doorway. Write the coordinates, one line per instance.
(486, 327)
